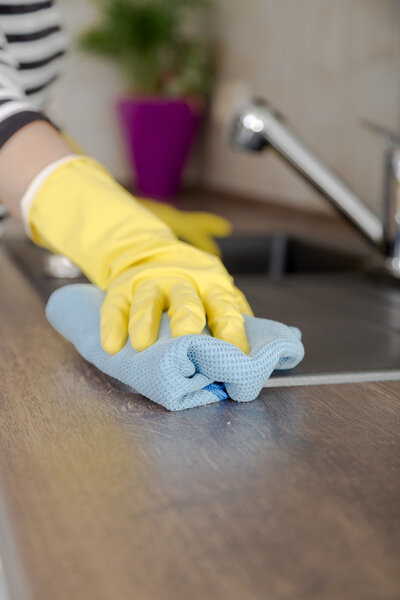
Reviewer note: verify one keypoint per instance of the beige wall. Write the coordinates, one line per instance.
(323, 63)
(83, 98)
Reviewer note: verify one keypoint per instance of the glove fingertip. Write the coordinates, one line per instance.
(112, 344)
(139, 346)
(141, 341)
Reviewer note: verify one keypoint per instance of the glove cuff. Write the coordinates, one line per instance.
(34, 187)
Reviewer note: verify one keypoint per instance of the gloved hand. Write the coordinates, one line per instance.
(197, 228)
(76, 208)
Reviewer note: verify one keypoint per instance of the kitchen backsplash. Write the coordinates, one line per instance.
(324, 64)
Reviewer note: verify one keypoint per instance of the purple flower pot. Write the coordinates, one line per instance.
(159, 133)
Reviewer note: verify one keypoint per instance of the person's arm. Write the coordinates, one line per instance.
(24, 156)
(72, 205)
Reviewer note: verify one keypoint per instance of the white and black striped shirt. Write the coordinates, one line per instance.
(32, 44)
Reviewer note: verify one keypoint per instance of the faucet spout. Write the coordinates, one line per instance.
(258, 125)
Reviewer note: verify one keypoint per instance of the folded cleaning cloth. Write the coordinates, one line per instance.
(183, 372)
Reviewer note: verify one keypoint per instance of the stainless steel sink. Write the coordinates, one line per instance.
(278, 254)
(349, 316)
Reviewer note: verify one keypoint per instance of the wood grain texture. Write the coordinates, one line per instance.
(107, 495)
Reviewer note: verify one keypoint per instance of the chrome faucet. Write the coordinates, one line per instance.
(257, 125)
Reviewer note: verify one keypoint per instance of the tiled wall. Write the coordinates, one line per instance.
(323, 63)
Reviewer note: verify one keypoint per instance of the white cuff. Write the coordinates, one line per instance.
(33, 188)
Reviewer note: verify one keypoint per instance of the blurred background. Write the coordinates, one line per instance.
(324, 64)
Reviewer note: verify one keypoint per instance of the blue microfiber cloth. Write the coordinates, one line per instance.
(183, 372)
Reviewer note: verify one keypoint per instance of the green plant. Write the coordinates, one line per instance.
(148, 41)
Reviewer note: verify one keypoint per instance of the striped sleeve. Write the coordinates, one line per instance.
(16, 109)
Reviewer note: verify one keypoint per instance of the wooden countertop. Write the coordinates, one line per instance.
(106, 495)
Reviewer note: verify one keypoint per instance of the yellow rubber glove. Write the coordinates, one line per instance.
(76, 208)
(197, 228)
